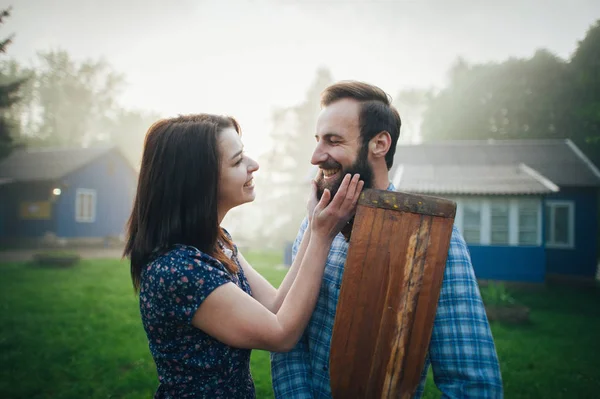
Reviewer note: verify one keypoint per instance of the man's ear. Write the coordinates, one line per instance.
(380, 144)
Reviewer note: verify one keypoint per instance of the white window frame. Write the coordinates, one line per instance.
(509, 228)
(486, 219)
(85, 218)
(516, 222)
(461, 212)
(550, 243)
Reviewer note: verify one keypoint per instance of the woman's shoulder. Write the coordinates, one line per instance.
(181, 256)
(183, 265)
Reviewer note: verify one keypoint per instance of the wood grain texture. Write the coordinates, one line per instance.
(405, 202)
(389, 294)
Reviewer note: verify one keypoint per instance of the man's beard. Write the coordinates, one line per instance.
(360, 166)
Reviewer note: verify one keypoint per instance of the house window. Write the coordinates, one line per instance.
(528, 222)
(85, 205)
(560, 224)
(499, 222)
(472, 222)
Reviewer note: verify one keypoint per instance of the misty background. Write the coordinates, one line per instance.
(100, 72)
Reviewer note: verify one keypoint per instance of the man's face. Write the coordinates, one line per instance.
(339, 148)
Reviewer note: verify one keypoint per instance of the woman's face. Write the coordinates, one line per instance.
(236, 185)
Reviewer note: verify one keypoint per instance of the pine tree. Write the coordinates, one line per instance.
(9, 95)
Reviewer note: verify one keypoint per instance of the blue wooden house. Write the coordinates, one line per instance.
(76, 195)
(528, 209)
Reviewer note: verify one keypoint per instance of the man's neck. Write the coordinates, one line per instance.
(381, 181)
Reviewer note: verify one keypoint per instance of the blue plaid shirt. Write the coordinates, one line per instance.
(461, 351)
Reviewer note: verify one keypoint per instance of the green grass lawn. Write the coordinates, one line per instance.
(76, 333)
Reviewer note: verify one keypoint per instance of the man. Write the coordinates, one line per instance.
(357, 132)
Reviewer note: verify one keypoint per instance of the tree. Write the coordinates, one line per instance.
(129, 131)
(18, 112)
(10, 86)
(69, 103)
(584, 98)
(411, 104)
(76, 102)
(537, 98)
(519, 98)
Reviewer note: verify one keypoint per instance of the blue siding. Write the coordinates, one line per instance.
(12, 195)
(581, 260)
(114, 181)
(509, 263)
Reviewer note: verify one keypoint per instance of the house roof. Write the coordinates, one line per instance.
(492, 167)
(47, 163)
(464, 179)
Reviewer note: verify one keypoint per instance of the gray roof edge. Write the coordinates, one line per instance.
(475, 193)
(105, 150)
(397, 178)
(585, 159)
(539, 177)
(99, 152)
(486, 142)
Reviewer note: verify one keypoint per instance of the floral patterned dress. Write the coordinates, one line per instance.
(190, 363)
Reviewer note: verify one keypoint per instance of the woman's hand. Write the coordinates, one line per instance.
(328, 218)
(312, 201)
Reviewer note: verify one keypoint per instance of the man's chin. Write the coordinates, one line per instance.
(332, 186)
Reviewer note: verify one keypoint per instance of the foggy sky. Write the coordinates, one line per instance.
(246, 57)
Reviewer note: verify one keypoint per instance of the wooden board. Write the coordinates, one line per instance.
(389, 294)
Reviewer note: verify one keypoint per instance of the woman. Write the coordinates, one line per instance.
(203, 306)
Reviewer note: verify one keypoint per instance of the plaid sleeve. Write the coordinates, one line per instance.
(290, 371)
(462, 351)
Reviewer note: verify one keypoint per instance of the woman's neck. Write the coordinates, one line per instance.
(221, 215)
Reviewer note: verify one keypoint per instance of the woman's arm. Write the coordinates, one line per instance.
(236, 319)
(262, 290)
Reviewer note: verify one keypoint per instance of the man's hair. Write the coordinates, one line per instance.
(376, 111)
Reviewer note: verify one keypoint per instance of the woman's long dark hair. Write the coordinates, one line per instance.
(176, 198)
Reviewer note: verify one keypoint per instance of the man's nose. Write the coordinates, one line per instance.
(319, 156)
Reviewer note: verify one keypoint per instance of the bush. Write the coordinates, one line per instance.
(57, 258)
(496, 294)
(501, 306)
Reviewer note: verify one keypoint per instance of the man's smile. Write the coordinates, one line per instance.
(330, 173)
